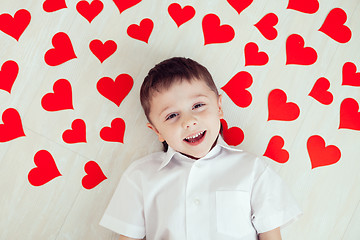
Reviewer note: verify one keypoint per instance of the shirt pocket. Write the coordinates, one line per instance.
(233, 213)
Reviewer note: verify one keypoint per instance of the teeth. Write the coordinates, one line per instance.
(194, 136)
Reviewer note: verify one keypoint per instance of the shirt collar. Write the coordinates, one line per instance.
(213, 152)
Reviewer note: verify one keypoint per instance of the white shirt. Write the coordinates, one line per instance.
(228, 194)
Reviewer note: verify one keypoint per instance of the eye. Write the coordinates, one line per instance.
(198, 105)
(171, 115)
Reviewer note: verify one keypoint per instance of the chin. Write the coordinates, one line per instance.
(196, 152)
(198, 155)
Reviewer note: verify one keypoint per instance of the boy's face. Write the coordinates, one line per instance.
(187, 116)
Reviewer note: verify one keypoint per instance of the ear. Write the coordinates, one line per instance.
(221, 113)
(152, 127)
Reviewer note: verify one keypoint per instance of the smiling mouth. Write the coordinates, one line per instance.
(196, 138)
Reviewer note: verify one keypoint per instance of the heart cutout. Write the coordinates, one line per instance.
(296, 53)
(8, 73)
(349, 75)
(320, 91)
(349, 114)
(304, 6)
(45, 171)
(102, 50)
(266, 26)
(89, 10)
(181, 15)
(275, 151)
(240, 6)
(236, 89)
(54, 5)
(122, 5)
(334, 27)
(280, 109)
(60, 99)
(94, 175)
(141, 32)
(62, 52)
(232, 136)
(253, 56)
(321, 155)
(12, 127)
(214, 32)
(115, 133)
(15, 26)
(116, 90)
(77, 133)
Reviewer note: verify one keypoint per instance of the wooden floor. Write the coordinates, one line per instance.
(57, 179)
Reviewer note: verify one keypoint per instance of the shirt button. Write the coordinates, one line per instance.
(198, 165)
(196, 202)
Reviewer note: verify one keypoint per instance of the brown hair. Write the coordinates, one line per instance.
(171, 71)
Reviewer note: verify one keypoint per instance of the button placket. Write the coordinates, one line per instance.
(196, 204)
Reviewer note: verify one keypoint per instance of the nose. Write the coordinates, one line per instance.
(189, 121)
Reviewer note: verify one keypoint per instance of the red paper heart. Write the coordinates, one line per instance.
(12, 127)
(89, 10)
(102, 50)
(8, 73)
(349, 114)
(279, 109)
(235, 89)
(15, 26)
(115, 133)
(45, 171)
(181, 15)
(334, 27)
(54, 5)
(77, 134)
(116, 90)
(61, 99)
(240, 5)
(296, 53)
(122, 5)
(266, 26)
(321, 155)
(349, 75)
(214, 33)
(94, 175)
(232, 136)
(275, 150)
(62, 52)
(253, 56)
(141, 32)
(320, 91)
(305, 6)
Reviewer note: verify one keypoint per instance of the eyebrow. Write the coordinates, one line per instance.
(199, 95)
(164, 110)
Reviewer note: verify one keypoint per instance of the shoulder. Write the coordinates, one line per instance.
(244, 160)
(244, 157)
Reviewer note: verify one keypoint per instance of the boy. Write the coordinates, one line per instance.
(199, 188)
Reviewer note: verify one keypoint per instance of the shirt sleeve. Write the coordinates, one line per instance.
(272, 203)
(124, 214)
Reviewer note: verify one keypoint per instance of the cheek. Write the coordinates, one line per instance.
(213, 120)
(211, 115)
(169, 132)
